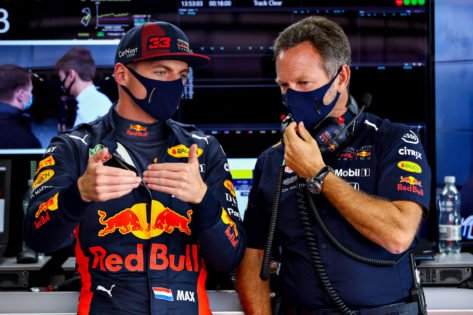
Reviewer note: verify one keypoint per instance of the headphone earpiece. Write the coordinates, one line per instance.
(332, 133)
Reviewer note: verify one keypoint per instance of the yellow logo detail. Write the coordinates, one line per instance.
(229, 185)
(42, 178)
(49, 161)
(409, 166)
(181, 151)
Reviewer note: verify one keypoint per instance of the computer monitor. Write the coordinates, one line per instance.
(5, 176)
(242, 174)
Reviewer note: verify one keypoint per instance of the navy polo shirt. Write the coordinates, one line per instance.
(384, 159)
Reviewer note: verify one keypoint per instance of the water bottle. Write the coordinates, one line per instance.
(448, 202)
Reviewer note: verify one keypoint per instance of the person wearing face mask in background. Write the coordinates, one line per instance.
(144, 197)
(76, 70)
(16, 97)
(365, 177)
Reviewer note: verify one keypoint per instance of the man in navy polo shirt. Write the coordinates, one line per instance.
(365, 177)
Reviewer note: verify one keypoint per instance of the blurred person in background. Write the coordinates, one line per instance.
(16, 97)
(76, 70)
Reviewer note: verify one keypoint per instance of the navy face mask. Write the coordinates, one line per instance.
(162, 97)
(67, 90)
(309, 106)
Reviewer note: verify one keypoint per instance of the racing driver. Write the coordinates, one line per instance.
(149, 201)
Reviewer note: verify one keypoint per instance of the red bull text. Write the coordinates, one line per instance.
(159, 259)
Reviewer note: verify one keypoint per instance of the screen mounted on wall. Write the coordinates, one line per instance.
(236, 94)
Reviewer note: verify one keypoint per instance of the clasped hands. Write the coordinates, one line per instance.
(182, 180)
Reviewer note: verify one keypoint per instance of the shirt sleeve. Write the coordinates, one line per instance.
(404, 173)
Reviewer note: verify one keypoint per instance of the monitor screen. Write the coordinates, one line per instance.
(5, 176)
(235, 96)
(242, 174)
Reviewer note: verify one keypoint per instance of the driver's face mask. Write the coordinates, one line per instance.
(308, 107)
(162, 97)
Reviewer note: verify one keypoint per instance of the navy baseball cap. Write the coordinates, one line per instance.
(157, 41)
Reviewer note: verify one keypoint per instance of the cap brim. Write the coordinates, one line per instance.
(194, 60)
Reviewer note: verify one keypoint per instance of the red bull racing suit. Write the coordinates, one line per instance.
(146, 252)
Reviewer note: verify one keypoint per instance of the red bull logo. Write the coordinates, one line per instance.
(169, 220)
(42, 178)
(125, 221)
(42, 220)
(231, 232)
(51, 204)
(134, 220)
(411, 180)
(48, 161)
(137, 130)
(181, 151)
(363, 153)
(229, 185)
(413, 185)
(159, 259)
(409, 166)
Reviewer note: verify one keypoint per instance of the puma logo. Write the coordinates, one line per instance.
(369, 123)
(201, 138)
(79, 138)
(101, 288)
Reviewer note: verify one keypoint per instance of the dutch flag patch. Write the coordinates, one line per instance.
(163, 294)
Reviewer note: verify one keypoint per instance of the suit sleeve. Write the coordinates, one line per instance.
(218, 224)
(55, 208)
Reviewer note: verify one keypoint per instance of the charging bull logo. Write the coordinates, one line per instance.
(49, 161)
(137, 130)
(363, 153)
(125, 221)
(51, 204)
(411, 180)
(181, 151)
(229, 185)
(169, 220)
(231, 232)
(134, 220)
